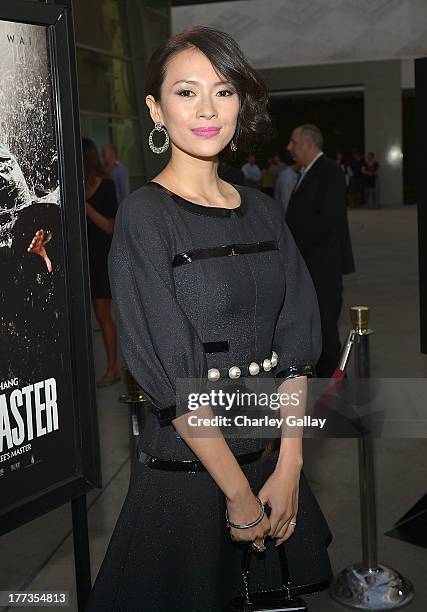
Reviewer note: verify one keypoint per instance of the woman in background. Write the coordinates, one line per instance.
(101, 208)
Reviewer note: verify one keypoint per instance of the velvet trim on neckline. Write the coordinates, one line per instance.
(200, 209)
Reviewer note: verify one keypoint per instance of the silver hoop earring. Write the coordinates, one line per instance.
(158, 128)
(233, 146)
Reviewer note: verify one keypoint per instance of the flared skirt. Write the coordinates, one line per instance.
(171, 550)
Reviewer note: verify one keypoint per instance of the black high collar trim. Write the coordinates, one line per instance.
(200, 209)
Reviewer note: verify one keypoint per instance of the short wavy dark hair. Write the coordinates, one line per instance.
(254, 123)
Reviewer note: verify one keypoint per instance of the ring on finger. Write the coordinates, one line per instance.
(292, 523)
(259, 548)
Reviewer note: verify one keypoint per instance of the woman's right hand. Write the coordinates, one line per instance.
(246, 509)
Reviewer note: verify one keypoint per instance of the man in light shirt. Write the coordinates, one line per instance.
(286, 181)
(117, 171)
(252, 172)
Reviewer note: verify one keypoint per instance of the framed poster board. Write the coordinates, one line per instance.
(49, 449)
(421, 165)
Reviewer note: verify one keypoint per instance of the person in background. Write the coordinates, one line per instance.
(252, 172)
(117, 171)
(355, 192)
(101, 209)
(278, 163)
(370, 170)
(286, 181)
(344, 167)
(317, 218)
(230, 174)
(268, 177)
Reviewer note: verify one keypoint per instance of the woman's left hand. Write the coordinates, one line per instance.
(281, 492)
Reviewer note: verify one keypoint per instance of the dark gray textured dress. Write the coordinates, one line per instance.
(183, 305)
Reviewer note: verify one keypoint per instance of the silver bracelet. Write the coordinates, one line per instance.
(249, 525)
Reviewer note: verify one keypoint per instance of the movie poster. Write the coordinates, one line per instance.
(37, 439)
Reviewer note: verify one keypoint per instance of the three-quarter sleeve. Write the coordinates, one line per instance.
(158, 341)
(297, 337)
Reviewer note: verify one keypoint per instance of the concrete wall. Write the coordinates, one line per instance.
(381, 82)
(305, 32)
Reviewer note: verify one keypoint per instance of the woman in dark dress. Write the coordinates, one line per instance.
(210, 294)
(101, 208)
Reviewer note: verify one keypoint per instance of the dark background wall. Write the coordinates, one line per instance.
(408, 146)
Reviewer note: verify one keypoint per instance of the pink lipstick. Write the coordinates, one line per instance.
(206, 132)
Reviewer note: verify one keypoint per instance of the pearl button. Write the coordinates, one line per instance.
(274, 359)
(234, 372)
(266, 364)
(214, 374)
(254, 368)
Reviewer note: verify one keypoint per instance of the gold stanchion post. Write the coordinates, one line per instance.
(368, 585)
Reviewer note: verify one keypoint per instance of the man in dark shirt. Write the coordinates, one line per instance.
(370, 171)
(355, 192)
(317, 217)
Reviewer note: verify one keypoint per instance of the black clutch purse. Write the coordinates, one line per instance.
(279, 600)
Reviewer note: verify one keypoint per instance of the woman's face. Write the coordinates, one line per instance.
(197, 107)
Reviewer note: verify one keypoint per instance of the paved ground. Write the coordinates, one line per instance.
(39, 555)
